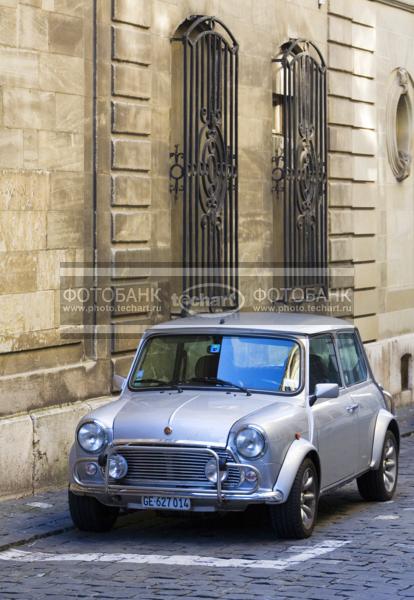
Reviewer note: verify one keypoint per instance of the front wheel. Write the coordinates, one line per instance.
(90, 515)
(380, 484)
(296, 517)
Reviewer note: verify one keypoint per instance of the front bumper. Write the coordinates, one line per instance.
(216, 498)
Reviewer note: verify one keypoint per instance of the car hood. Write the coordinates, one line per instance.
(193, 416)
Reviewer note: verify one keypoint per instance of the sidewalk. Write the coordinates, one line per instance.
(46, 514)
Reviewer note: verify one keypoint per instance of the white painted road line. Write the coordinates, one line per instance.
(302, 555)
(39, 505)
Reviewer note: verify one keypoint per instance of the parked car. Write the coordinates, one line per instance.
(224, 412)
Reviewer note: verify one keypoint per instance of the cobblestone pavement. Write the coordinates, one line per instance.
(376, 562)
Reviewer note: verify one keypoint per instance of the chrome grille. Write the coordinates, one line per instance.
(184, 468)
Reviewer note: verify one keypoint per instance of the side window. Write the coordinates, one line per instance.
(323, 364)
(352, 360)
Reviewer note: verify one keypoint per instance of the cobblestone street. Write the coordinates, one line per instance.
(358, 550)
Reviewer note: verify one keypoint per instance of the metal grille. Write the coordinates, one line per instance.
(203, 172)
(165, 466)
(300, 172)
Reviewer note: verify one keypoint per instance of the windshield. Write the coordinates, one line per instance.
(258, 363)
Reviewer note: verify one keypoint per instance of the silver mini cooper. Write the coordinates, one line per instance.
(222, 412)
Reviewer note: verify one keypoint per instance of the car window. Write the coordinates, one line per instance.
(352, 359)
(261, 363)
(323, 364)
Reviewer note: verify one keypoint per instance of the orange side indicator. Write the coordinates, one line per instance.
(298, 435)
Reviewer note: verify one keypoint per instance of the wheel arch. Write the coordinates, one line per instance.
(298, 451)
(385, 421)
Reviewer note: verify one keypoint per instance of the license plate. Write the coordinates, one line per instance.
(168, 503)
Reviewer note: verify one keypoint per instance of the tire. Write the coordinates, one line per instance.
(379, 485)
(90, 515)
(289, 520)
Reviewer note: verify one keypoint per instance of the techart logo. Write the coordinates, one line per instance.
(210, 299)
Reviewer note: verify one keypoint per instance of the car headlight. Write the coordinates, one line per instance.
(117, 466)
(92, 437)
(250, 442)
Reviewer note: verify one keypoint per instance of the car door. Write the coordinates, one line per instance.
(364, 394)
(335, 422)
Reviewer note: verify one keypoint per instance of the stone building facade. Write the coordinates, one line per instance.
(88, 120)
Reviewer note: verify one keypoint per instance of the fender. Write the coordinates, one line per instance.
(297, 452)
(384, 419)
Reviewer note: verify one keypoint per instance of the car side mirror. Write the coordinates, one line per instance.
(324, 390)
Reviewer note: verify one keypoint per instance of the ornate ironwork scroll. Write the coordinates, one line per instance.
(304, 174)
(203, 172)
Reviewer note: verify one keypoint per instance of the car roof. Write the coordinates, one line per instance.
(282, 322)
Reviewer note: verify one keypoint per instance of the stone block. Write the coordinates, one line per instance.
(340, 222)
(363, 89)
(65, 229)
(48, 267)
(131, 118)
(33, 28)
(365, 222)
(340, 57)
(18, 67)
(340, 139)
(11, 148)
(340, 166)
(16, 456)
(364, 168)
(340, 249)
(131, 264)
(21, 230)
(129, 190)
(62, 73)
(364, 195)
(131, 80)
(368, 327)
(364, 115)
(340, 30)
(365, 302)
(65, 34)
(362, 12)
(363, 37)
(23, 191)
(131, 45)
(66, 191)
(340, 111)
(131, 226)
(363, 63)
(69, 7)
(23, 313)
(339, 7)
(18, 272)
(53, 436)
(30, 149)
(8, 26)
(364, 141)
(126, 334)
(131, 155)
(364, 249)
(366, 275)
(135, 12)
(28, 108)
(340, 193)
(61, 151)
(69, 112)
(339, 84)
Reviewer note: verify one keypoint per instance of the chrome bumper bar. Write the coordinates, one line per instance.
(217, 494)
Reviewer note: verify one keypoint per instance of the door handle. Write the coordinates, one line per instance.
(352, 408)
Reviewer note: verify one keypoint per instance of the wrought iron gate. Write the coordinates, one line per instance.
(203, 171)
(300, 171)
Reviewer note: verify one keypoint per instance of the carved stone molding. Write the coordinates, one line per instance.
(399, 123)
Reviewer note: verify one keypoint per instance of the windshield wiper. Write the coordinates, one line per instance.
(160, 383)
(217, 381)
